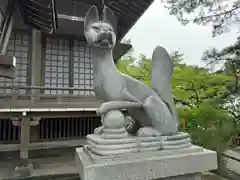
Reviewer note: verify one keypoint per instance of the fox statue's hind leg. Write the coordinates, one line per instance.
(160, 116)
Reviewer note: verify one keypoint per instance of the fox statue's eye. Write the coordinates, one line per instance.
(95, 28)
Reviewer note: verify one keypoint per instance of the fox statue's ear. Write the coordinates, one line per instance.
(109, 17)
(92, 16)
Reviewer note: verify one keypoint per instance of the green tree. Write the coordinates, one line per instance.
(197, 91)
(196, 85)
(230, 60)
(139, 69)
(209, 126)
(220, 13)
(191, 85)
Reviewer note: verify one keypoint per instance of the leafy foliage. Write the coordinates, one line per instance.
(139, 69)
(221, 87)
(230, 59)
(232, 105)
(191, 85)
(196, 85)
(220, 13)
(226, 56)
(209, 126)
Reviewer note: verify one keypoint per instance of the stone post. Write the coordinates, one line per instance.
(24, 168)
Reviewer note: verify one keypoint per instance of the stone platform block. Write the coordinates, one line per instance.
(178, 164)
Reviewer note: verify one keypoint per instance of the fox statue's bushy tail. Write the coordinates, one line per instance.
(162, 69)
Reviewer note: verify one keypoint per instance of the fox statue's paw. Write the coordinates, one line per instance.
(129, 124)
(104, 108)
(101, 110)
(148, 132)
(98, 130)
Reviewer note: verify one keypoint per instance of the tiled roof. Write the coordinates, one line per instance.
(126, 11)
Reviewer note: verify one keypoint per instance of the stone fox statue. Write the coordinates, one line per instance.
(152, 107)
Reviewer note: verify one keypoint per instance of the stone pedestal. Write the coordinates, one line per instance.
(178, 164)
(23, 170)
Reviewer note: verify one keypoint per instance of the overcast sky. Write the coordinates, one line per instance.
(157, 27)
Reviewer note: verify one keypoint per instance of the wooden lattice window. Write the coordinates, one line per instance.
(82, 69)
(57, 65)
(18, 46)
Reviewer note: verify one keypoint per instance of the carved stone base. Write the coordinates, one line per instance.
(178, 164)
(122, 143)
(112, 138)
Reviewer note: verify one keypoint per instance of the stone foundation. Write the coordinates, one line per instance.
(179, 164)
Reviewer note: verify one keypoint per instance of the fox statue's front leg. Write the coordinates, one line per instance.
(114, 105)
(129, 101)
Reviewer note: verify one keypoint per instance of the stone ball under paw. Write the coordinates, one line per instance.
(113, 119)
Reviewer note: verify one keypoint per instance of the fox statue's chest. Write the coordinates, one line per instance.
(107, 88)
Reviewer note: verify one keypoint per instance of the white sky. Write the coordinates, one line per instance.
(157, 27)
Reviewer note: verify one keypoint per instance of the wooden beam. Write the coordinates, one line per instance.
(44, 145)
(36, 63)
(72, 18)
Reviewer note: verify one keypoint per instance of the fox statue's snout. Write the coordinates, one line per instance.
(105, 39)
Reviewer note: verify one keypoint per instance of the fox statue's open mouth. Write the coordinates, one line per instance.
(104, 42)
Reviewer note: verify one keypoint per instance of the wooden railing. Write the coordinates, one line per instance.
(75, 123)
(51, 129)
(35, 96)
